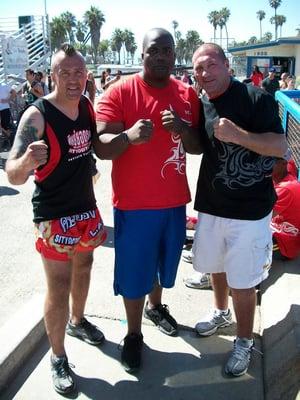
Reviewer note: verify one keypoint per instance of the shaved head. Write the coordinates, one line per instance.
(210, 46)
(156, 33)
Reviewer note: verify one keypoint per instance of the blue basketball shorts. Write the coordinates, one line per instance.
(148, 245)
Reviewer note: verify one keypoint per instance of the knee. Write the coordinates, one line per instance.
(83, 262)
(59, 290)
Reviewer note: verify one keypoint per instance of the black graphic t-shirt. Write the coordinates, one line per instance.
(64, 184)
(235, 182)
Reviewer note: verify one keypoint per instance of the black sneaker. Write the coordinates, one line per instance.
(61, 375)
(161, 317)
(85, 331)
(132, 352)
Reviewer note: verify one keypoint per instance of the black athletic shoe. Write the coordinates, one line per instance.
(63, 381)
(132, 352)
(161, 317)
(85, 331)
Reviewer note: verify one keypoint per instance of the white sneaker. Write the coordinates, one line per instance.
(187, 256)
(198, 281)
(239, 359)
(210, 325)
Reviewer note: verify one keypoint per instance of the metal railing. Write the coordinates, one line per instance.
(36, 35)
(289, 111)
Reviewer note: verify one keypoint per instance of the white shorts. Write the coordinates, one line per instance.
(240, 248)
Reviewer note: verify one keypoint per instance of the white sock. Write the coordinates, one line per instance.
(222, 311)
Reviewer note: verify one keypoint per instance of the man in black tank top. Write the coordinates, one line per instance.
(54, 139)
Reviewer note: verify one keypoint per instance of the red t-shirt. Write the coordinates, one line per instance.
(150, 175)
(256, 78)
(286, 224)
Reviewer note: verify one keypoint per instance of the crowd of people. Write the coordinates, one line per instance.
(145, 124)
(271, 83)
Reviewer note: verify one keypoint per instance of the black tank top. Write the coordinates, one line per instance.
(64, 184)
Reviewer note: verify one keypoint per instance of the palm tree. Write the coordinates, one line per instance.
(275, 4)
(70, 22)
(117, 40)
(213, 18)
(178, 35)
(129, 41)
(80, 31)
(224, 15)
(103, 48)
(58, 32)
(267, 37)
(94, 18)
(252, 40)
(133, 49)
(221, 25)
(180, 50)
(193, 41)
(281, 19)
(260, 15)
(175, 26)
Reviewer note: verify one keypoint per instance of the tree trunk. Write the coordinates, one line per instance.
(275, 24)
(226, 37)
(260, 29)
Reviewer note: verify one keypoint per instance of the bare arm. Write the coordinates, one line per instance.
(37, 90)
(266, 144)
(28, 151)
(112, 140)
(190, 136)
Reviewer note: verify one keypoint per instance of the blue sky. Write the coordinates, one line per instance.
(190, 14)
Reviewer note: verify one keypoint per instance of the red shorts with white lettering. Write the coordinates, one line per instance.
(59, 239)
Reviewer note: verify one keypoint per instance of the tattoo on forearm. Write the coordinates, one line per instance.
(26, 134)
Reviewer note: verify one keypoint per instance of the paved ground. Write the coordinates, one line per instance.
(185, 367)
(21, 274)
(179, 368)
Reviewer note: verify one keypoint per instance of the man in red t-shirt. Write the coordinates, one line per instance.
(141, 123)
(286, 214)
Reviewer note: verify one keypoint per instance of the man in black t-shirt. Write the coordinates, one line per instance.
(239, 139)
(54, 138)
(271, 83)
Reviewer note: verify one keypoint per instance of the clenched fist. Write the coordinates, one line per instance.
(171, 121)
(140, 132)
(227, 131)
(36, 154)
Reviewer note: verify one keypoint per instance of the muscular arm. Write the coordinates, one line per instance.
(28, 152)
(112, 141)
(266, 144)
(109, 144)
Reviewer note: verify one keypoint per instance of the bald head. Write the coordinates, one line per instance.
(156, 33)
(212, 48)
(211, 69)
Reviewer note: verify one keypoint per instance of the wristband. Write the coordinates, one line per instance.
(125, 137)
